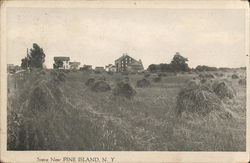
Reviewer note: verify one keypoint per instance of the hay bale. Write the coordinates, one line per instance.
(235, 76)
(223, 89)
(197, 100)
(90, 82)
(101, 86)
(242, 82)
(124, 89)
(143, 83)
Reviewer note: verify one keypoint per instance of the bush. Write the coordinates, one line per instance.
(101, 86)
(90, 82)
(242, 81)
(234, 76)
(198, 100)
(143, 83)
(124, 89)
(223, 89)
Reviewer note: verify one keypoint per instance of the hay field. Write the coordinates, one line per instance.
(52, 110)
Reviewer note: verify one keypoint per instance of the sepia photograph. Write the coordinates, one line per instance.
(126, 79)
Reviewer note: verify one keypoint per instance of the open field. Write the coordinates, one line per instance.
(49, 111)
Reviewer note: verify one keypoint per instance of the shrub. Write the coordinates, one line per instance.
(198, 100)
(223, 89)
(124, 89)
(235, 76)
(242, 81)
(143, 83)
(90, 82)
(101, 86)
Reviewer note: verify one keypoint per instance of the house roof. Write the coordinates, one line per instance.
(122, 57)
(61, 58)
(74, 63)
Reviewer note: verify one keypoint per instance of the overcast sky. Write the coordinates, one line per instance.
(213, 37)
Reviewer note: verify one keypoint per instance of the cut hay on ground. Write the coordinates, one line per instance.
(124, 89)
(235, 76)
(197, 100)
(143, 83)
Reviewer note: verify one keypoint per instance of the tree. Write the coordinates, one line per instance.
(35, 59)
(166, 67)
(25, 63)
(153, 68)
(37, 56)
(178, 63)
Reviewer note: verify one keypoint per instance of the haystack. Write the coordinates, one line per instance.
(90, 82)
(197, 100)
(124, 89)
(207, 75)
(101, 86)
(235, 76)
(143, 83)
(242, 82)
(223, 89)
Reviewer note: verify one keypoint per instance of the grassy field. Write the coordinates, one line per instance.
(47, 112)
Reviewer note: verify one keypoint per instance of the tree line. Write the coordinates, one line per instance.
(36, 57)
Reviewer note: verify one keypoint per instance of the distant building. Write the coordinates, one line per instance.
(135, 66)
(110, 68)
(127, 63)
(99, 69)
(74, 65)
(86, 68)
(61, 63)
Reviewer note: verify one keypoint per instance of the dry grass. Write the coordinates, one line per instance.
(76, 118)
